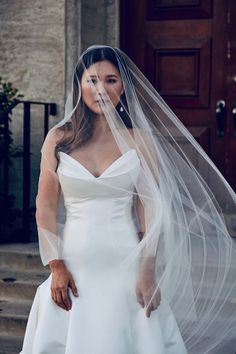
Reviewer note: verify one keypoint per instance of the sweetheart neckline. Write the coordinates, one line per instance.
(106, 169)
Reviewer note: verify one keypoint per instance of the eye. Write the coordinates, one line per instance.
(92, 80)
(111, 81)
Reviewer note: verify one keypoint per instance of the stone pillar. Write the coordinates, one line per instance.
(73, 30)
(87, 23)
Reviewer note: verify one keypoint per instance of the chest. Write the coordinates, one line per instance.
(96, 158)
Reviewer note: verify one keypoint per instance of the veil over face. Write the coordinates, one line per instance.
(180, 198)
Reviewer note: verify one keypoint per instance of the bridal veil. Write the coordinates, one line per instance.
(182, 196)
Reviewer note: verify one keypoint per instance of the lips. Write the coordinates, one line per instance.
(102, 101)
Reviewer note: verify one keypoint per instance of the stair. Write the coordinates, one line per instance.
(21, 272)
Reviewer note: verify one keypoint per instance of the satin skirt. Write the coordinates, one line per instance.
(106, 317)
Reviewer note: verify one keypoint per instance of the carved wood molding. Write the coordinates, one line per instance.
(178, 9)
(181, 75)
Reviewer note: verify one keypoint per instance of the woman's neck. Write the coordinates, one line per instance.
(101, 126)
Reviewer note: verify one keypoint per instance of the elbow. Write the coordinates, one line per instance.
(44, 214)
(38, 216)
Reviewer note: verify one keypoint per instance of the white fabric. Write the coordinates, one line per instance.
(99, 233)
(180, 198)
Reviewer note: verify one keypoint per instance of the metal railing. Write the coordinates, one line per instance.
(50, 108)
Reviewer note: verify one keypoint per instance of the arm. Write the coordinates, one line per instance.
(46, 217)
(147, 292)
(47, 201)
(146, 282)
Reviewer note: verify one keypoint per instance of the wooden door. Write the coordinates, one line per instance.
(187, 49)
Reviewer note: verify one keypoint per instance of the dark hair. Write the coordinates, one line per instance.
(80, 128)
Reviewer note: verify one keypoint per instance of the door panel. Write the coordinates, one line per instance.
(187, 49)
(180, 71)
(178, 9)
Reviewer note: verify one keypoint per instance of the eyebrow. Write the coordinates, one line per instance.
(109, 75)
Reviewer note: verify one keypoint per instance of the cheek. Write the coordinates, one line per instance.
(116, 93)
(87, 93)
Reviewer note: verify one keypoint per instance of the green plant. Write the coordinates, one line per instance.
(9, 98)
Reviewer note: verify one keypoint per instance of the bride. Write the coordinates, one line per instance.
(128, 225)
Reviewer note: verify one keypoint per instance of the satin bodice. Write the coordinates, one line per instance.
(100, 199)
(98, 246)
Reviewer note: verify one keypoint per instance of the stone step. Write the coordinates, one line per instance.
(20, 285)
(14, 316)
(10, 343)
(21, 256)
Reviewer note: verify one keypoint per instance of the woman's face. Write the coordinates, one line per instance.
(101, 79)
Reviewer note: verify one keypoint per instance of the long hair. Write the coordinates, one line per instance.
(80, 129)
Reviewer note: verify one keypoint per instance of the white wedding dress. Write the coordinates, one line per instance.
(99, 233)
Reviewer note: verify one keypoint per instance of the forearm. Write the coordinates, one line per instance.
(147, 260)
(49, 238)
(46, 218)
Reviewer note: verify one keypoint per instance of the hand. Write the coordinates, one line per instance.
(146, 289)
(62, 280)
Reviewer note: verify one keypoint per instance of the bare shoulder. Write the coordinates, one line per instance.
(53, 136)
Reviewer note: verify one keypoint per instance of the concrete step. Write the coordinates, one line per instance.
(20, 285)
(10, 343)
(13, 316)
(21, 256)
(21, 272)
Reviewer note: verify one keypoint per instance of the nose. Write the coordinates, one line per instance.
(100, 88)
(101, 91)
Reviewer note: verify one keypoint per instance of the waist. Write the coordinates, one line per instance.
(100, 211)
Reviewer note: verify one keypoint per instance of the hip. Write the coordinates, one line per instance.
(87, 242)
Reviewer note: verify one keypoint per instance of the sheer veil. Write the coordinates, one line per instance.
(183, 197)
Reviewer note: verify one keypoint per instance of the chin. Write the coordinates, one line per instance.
(97, 110)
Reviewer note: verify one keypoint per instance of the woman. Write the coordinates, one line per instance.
(127, 224)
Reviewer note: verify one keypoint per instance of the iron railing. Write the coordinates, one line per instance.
(50, 108)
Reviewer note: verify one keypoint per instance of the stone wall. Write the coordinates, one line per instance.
(40, 44)
(33, 47)
(100, 21)
(89, 22)
(32, 57)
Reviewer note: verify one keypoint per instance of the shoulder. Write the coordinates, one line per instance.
(53, 136)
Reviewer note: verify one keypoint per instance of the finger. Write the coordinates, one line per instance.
(149, 309)
(140, 299)
(157, 297)
(156, 302)
(73, 287)
(65, 298)
(59, 300)
(53, 295)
